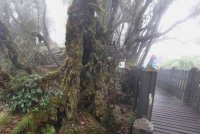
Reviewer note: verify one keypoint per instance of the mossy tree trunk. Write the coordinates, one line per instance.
(85, 78)
(74, 49)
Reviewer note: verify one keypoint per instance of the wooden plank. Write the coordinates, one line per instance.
(171, 116)
(176, 110)
(177, 127)
(164, 131)
(176, 113)
(184, 124)
(176, 130)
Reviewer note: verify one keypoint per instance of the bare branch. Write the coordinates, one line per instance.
(157, 35)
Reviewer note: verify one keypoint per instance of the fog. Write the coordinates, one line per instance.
(57, 14)
(181, 41)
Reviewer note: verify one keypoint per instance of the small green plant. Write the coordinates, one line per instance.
(131, 118)
(45, 101)
(110, 120)
(49, 130)
(25, 99)
(29, 96)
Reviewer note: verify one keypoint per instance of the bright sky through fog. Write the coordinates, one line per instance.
(184, 33)
(57, 14)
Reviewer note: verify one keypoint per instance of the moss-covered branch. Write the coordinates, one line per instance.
(31, 122)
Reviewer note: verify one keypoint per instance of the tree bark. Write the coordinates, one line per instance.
(84, 80)
(74, 49)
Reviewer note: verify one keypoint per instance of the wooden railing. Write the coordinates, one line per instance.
(184, 84)
(144, 83)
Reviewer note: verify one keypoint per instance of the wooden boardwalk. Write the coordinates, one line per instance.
(172, 116)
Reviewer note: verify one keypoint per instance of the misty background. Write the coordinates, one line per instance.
(183, 41)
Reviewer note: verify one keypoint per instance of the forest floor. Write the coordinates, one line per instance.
(122, 113)
(7, 121)
(10, 122)
(121, 109)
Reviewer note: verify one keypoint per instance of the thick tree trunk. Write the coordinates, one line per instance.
(74, 49)
(84, 82)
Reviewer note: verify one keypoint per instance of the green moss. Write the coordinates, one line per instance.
(71, 79)
(4, 119)
(23, 124)
(31, 122)
(51, 75)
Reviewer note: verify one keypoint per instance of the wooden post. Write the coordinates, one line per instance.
(198, 92)
(190, 85)
(151, 94)
(159, 78)
(194, 92)
(171, 80)
(146, 94)
(136, 84)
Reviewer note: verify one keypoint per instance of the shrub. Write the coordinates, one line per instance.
(29, 96)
